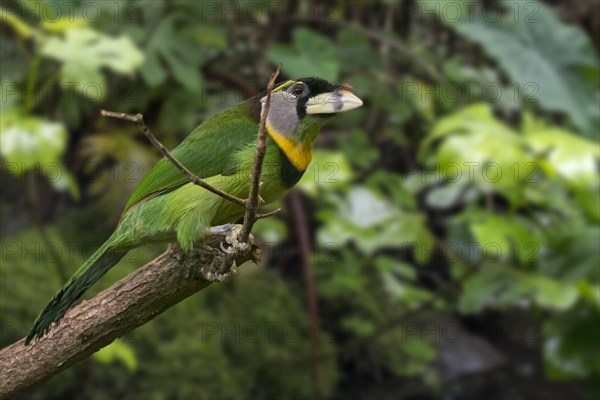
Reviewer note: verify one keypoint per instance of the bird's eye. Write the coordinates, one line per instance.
(297, 89)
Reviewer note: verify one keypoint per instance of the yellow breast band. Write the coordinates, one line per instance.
(298, 154)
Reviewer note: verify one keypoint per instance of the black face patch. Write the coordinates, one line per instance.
(315, 86)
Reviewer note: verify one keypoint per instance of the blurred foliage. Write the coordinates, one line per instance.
(310, 54)
(464, 193)
(525, 45)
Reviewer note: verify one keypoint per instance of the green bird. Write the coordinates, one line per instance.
(167, 207)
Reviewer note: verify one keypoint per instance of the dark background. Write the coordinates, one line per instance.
(452, 220)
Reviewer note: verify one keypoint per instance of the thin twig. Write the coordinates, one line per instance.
(267, 214)
(261, 149)
(139, 120)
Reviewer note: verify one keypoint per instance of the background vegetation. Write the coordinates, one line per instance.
(452, 220)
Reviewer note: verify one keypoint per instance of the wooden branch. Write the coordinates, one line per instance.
(139, 119)
(126, 305)
(261, 148)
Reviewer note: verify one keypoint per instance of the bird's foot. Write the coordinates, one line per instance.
(222, 269)
(232, 232)
(223, 265)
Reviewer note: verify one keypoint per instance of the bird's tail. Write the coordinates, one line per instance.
(97, 265)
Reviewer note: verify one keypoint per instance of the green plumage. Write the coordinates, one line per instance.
(166, 207)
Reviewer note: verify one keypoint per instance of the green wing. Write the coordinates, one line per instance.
(207, 151)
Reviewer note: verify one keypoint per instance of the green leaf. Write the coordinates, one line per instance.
(572, 161)
(26, 141)
(467, 152)
(358, 326)
(394, 186)
(571, 345)
(179, 53)
(117, 351)
(83, 53)
(448, 196)
(392, 265)
(574, 256)
(419, 349)
(310, 54)
(568, 156)
(396, 277)
(552, 63)
(482, 290)
(481, 84)
(327, 170)
(551, 293)
(502, 287)
(370, 222)
(499, 236)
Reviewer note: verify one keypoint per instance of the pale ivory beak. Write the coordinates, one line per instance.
(333, 102)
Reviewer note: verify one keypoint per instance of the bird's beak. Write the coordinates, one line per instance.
(333, 102)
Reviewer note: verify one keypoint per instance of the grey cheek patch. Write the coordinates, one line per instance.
(282, 114)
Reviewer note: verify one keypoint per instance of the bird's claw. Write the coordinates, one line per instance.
(223, 266)
(224, 250)
(217, 271)
(235, 246)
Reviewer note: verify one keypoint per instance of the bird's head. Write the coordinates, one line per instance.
(307, 102)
